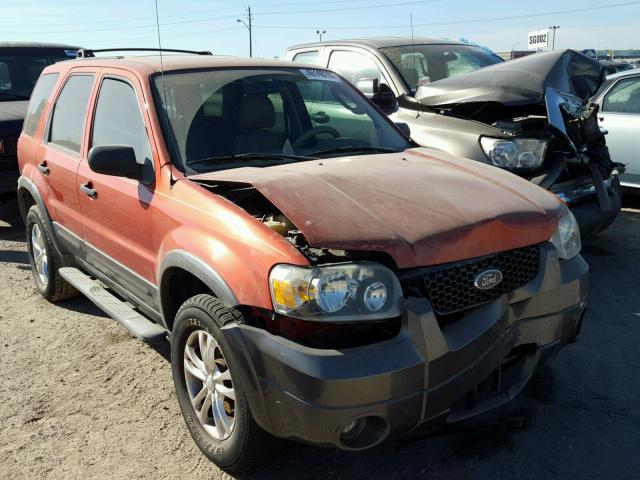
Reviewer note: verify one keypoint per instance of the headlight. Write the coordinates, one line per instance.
(514, 153)
(566, 238)
(339, 292)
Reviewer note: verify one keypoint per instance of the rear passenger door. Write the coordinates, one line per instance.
(63, 148)
(118, 217)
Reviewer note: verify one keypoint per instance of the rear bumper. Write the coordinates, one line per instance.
(583, 202)
(422, 377)
(8, 178)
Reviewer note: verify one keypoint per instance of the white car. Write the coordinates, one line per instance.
(619, 100)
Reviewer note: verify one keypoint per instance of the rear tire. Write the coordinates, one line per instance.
(228, 436)
(45, 259)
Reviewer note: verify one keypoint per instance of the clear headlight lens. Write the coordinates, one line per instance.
(514, 153)
(339, 292)
(566, 238)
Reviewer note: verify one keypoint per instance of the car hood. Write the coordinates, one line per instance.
(421, 207)
(11, 117)
(518, 82)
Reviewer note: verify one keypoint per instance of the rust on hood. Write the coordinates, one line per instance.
(421, 207)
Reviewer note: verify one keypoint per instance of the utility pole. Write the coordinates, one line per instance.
(554, 28)
(249, 26)
(320, 33)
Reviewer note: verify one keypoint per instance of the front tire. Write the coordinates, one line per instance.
(45, 259)
(211, 398)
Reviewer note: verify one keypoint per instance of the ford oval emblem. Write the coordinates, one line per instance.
(488, 279)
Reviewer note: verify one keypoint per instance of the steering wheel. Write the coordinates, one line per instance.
(306, 136)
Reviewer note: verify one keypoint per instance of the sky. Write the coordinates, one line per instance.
(212, 25)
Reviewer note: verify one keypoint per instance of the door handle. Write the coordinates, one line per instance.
(88, 189)
(43, 168)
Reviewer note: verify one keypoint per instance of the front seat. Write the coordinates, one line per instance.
(255, 115)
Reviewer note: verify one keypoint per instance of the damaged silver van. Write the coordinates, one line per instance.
(529, 116)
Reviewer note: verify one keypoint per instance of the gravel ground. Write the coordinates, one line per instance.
(80, 398)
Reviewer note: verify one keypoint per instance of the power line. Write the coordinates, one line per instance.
(217, 18)
(457, 22)
(174, 15)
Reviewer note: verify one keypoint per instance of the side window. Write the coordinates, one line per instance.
(312, 57)
(118, 120)
(624, 97)
(39, 97)
(355, 66)
(67, 122)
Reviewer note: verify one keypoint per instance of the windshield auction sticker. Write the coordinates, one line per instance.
(320, 75)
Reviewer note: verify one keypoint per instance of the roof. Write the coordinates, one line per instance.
(149, 64)
(380, 42)
(36, 45)
(624, 73)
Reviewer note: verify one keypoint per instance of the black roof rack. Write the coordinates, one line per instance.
(88, 53)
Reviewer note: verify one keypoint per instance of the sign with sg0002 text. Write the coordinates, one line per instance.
(538, 39)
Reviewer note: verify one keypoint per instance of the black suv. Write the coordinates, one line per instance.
(20, 67)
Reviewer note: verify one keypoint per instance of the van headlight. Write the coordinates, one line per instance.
(566, 238)
(338, 293)
(514, 153)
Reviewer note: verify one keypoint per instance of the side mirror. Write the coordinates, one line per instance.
(385, 99)
(115, 160)
(368, 86)
(404, 128)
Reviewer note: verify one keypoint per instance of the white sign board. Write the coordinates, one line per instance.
(538, 39)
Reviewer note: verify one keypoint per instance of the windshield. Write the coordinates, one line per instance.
(423, 64)
(21, 67)
(224, 118)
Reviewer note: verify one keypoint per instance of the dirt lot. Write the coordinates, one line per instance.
(80, 398)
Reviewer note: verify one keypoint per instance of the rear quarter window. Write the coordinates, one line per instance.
(39, 98)
(312, 57)
(69, 112)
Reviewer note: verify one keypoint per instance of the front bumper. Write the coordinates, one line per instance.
(582, 199)
(426, 375)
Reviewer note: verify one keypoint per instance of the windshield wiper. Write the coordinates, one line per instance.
(358, 148)
(250, 156)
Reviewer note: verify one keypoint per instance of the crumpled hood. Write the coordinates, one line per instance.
(421, 207)
(11, 117)
(523, 81)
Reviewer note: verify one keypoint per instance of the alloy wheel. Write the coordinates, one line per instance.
(209, 384)
(39, 252)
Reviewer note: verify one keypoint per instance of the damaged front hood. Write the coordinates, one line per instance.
(518, 82)
(421, 207)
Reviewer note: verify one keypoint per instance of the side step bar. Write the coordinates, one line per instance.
(120, 311)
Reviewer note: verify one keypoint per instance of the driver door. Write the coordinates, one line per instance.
(117, 212)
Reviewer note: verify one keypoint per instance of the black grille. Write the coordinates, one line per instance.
(451, 289)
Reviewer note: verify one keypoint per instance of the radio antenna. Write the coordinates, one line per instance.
(164, 88)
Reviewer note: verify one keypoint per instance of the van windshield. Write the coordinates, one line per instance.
(423, 64)
(224, 118)
(20, 68)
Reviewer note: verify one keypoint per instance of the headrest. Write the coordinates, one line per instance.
(256, 111)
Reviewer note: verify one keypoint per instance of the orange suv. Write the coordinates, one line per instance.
(319, 277)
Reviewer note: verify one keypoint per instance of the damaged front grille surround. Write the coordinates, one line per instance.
(450, 287)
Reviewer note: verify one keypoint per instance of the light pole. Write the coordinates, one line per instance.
(320, 33)
(249, 27)
(554, 28)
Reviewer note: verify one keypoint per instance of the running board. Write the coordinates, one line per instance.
(122, 312)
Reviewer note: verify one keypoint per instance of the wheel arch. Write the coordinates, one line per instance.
(182, 274)
(28, 195)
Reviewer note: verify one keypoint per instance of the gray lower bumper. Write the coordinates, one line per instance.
(419, 377)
